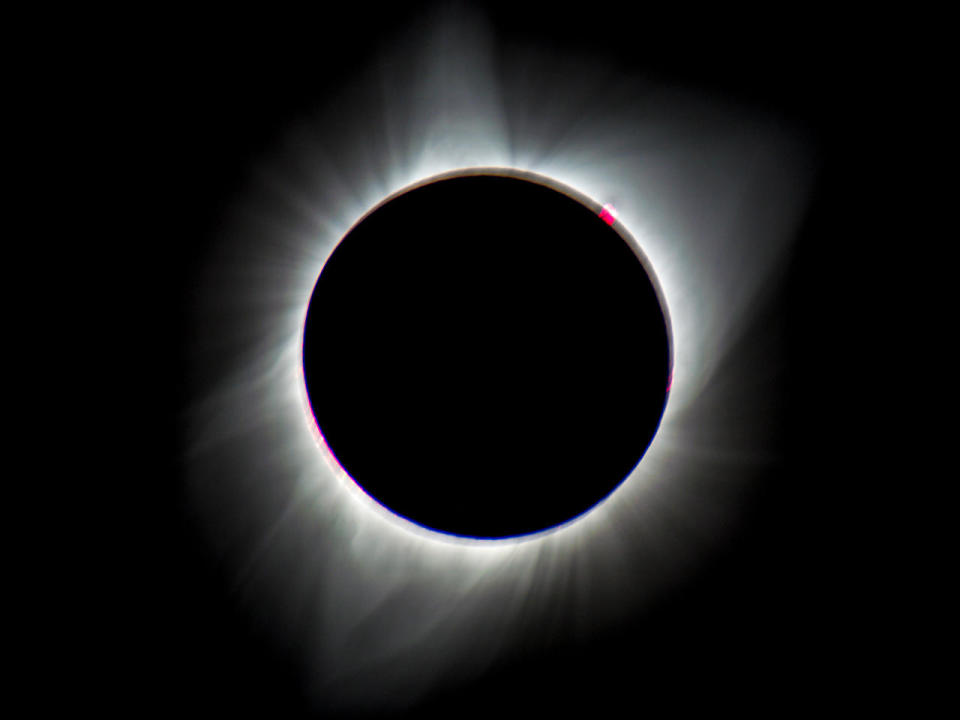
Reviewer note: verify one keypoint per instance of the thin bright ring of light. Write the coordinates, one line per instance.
(386, 611)
(609, 215)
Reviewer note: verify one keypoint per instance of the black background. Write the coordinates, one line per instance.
(788, 615)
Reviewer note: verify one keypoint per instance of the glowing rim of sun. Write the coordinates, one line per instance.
(608, 213)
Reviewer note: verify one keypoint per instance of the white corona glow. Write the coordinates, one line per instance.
(711, 193)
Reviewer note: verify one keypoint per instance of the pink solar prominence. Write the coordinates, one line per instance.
(608, 213)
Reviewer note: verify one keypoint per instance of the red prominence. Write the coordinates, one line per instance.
(608, 213)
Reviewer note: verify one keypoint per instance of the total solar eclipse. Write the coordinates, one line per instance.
(487, 354)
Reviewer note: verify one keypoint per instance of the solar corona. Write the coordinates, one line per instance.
(487, 354)
(484, 358)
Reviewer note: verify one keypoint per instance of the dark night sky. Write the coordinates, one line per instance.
(781, 618)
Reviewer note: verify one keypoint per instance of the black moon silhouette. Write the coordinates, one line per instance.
(487, 355)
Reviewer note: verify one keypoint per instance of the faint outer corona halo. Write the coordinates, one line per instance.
(482, 358)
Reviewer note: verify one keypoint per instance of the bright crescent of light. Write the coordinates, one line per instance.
(711, 192)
